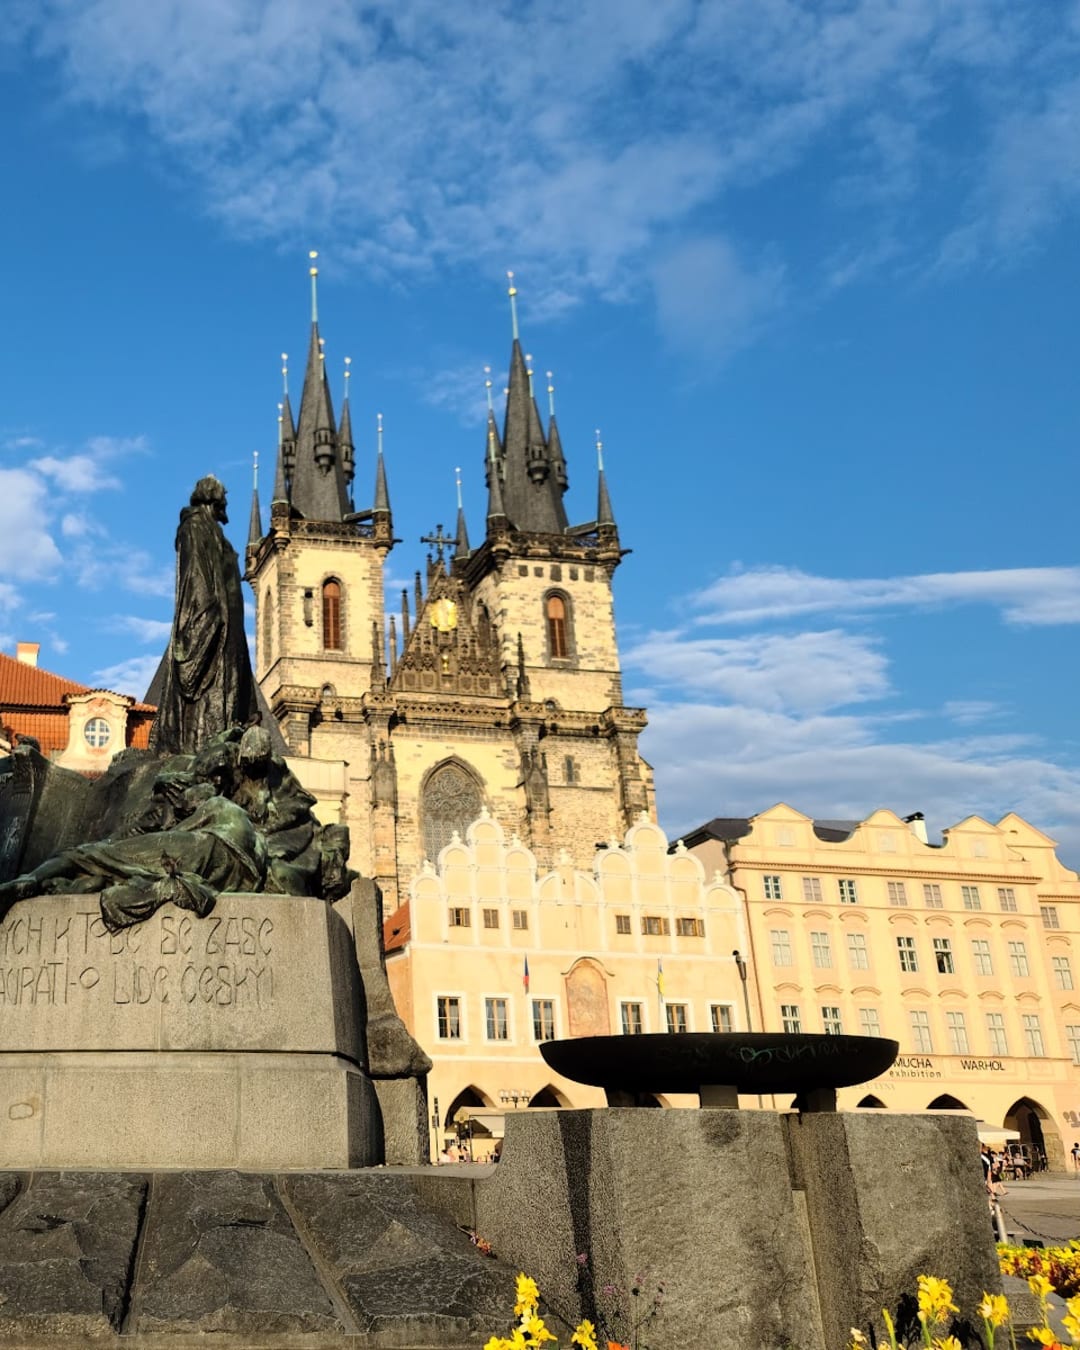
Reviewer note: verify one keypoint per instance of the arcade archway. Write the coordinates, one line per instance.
(1037, 1130)
(948, 1103)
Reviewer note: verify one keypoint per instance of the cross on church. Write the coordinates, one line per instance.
(439, 540)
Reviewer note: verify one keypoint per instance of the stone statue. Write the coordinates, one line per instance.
(207, 684)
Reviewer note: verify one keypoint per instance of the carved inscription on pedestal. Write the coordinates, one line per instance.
(65, 959)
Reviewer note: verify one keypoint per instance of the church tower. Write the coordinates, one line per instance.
(496, 689)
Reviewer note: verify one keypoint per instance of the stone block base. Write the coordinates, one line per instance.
(161, 1109)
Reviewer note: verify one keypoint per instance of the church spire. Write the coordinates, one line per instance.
(462, 549)
(382, 492)
(345, 439)
(318, 481)
(555, 450)
(532, 494)
(604, 513)
(286, 440)
(255, 523)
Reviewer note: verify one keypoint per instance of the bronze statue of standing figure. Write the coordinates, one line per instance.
(205, 684)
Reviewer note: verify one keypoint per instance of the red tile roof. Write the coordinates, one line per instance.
(23, 686)
(397, 929)
(50, 729)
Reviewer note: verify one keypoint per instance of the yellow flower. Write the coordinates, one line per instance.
(935, 1299)
(1071, 1323)
(1043, 1336)
(497, 1343)
(857, 1339)
(584, 1335)
(1040, 1286)
(534, 1326)
(528, 1296)
(994, 1309)
(946, 1343)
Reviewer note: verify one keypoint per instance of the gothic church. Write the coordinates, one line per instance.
(496, 689)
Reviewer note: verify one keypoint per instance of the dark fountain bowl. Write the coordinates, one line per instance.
(756, 1061)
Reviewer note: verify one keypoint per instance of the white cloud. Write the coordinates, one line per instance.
(805, 672)
(145, 630)
(710, 302)
(733, 760)
(75, 473)
(131, 676)
(578, 137)
(100, 564)
(27, 548)
(1025, 595)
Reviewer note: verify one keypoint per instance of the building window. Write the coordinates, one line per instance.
(543, 1019)
(622, 923)
(1033, 1037)
(957, 1028)
(555, 611)
(1062, 972)
(1007, 899)
(96, 733)
(789, 1015)
(1018, 959)
(1049, 916)
(897, 893)
(869, 1022)
(995, 1033)
(931, 894)
(811, 890)
(267, 617)
(820, 950)
(570, 771)
(943, 956)
(773, 888)
(459, 917)
(971, 897)
(449, 1010)
(496, 1025)
(909, 961)
(449, 805)
(721, 1016)
(520, 918)
(781, 947)
(676, 1016)
(690, 927)
(652, 925)
(858, 955)
(980, 950)
(830, 1020)
(920, 1033)
(849, 894)
(887, 841)
(1072, 1034)
(331, 615)
(491, 918)
(631, 1019)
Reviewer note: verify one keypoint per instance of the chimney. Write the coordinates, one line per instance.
(917, 823)
(27, 652)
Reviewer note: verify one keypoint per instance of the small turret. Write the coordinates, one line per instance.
(461, 549)
(255, 523)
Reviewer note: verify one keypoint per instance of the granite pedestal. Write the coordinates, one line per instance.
(234, 1041)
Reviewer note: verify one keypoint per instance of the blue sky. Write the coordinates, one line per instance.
(811, 268)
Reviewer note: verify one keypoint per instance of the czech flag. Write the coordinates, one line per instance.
(525, 976)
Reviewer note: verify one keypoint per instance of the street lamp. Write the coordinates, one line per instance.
(511, 1096)
(740, 965)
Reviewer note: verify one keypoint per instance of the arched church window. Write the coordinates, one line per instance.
(451, 802)
(267, 625)
(556, 612)
(331, 615)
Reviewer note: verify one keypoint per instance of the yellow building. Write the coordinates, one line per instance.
(492, 956)
(964, 952)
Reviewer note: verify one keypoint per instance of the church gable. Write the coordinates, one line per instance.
(452, 648)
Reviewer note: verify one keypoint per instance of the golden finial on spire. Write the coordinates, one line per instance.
(322, 353)
(285, 373)
(529, 372)
(255, 470)
(280, 424)
(378, 419)
(313, 272)
(491, 444)
(348, 372)
(599, 451)
(487, 386)
(551, 392)
(457, 477)
(513, 304)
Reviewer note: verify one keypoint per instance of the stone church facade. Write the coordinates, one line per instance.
(495, 687)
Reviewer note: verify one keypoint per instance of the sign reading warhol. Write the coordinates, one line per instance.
(57, 956)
